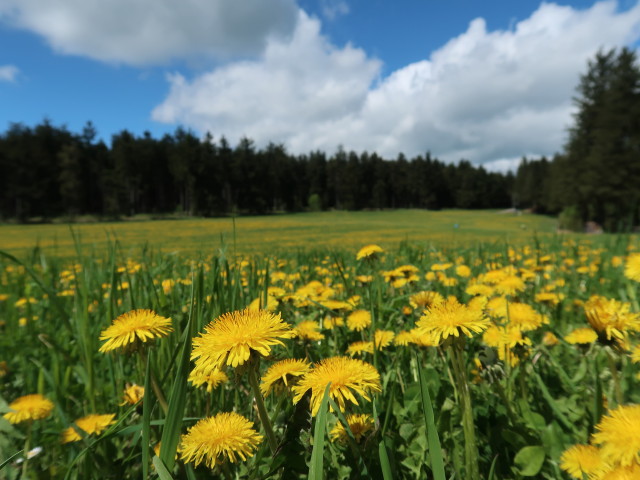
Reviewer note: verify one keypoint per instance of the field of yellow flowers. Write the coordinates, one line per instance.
(482, 362)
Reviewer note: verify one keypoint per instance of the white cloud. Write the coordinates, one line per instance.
(8, 73)
(487, 96)
(332, 9)
(152, 31)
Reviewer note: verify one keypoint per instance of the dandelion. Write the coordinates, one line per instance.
(358, 320)
(425, 299)
(230, 339)
(549, 339)
(581, 336)
(215, 439)
(309, 330)
(29, 408)
(346, 375)
(580, 460)
(132, 394)
(618, 435)
(611, 317)
(91, 425)
(451, 318)
(133, 327)
(369, 252)
(632, 267)
(283, 374)
(383, 338)
(213, 379)
(358, 348)
(359, 424)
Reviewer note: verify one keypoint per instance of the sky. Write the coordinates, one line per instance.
(481, 80)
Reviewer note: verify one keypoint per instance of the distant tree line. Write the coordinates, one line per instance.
(47, 171)
(597, 176)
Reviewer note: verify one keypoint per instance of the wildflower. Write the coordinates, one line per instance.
(212, 379)
(358, 348)
(510, 285)
(91, 424)
(549, 339)
(635, 354)
(258, 304)
(425, 299)
(383, 338)
(463, 271)
(346, 375)
(369, 252)
(214, 439)
(133, 327)
(284, 373)
(309, 330)
(450, 319)
(359, 424)
(580, 460)
(550, 298)
(230, 339)
(618, 435)
(403, 338)
(632, 267)
(132, 394)
(358, 320)
(332, 322)
(610, 317)
(524, 317)
(581, 336)
(29, 408)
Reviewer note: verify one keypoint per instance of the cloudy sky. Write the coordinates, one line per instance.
(488, 81)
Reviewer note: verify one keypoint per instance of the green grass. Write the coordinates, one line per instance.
(282, 232)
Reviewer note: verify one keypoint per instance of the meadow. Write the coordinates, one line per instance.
(437, 345)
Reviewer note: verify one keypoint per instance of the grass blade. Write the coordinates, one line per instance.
(146, 418)
(161, 469)
(317, 454)
(437, 462)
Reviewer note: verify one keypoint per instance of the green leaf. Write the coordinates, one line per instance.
(529, 460)
(437, 462)
(161, 468)
(317, 454)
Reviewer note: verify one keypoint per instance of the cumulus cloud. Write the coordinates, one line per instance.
(486, 96)
(152, 31)
(8, 73)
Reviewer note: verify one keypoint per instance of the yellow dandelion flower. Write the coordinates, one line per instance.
(580, 460)
(480, 289)
(524, 317)
(332, 322)
(632, 267)
(618, 435)
(133, 327)
(632, 472)
(212, 379)
(383, 338)
(611, 317)
(549, 339)
(635, 354)
(358, 348)
(358, 320)
(403, 338)
(132, 394)
(346, 375)
(581, 336)
(423, 338)
(29, 408)
(258, 304)
(214, 439)
(308, 330)
(492, 336)
(359, 424)
(283, 374)
(369, 251)
(463, 271)
(450, 319)
(425, 299)
(91, 424)
(230, 339)
(550, 298)
(510, 285)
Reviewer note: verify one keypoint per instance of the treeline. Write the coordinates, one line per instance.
(597, 176)
(47, 171)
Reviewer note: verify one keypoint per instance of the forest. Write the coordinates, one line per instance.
(49, 172)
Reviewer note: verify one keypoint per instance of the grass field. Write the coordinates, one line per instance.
(276, 234)
(476, 352)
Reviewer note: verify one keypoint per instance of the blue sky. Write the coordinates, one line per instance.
(488, 81)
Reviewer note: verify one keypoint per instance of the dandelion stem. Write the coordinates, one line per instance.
(27, 447)
(471, 446)
(615, 377)
(262, 411)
